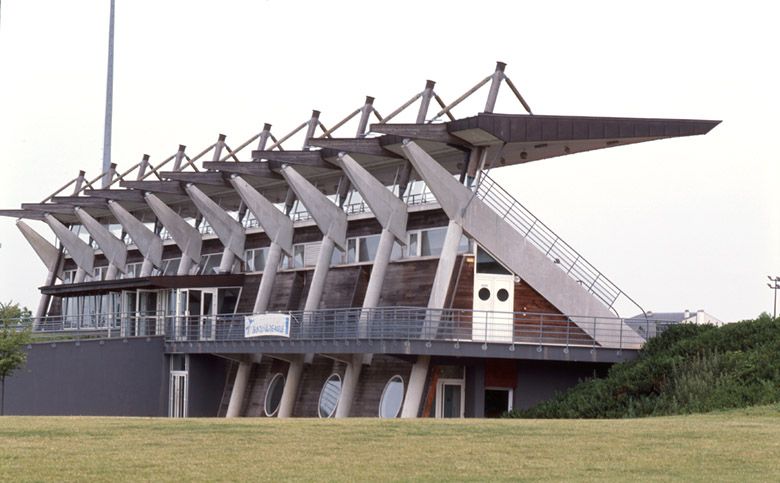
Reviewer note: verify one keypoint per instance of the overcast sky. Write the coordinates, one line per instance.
(682, 223)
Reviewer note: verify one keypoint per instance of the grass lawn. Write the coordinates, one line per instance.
(734, 445)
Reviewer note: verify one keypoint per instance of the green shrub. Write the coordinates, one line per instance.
(687, 369)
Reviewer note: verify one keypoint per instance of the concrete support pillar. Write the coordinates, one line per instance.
(349, 385)
(149, 244)
(146, 268)
(443, 277)
(112, 272)
(230, 232)
(81, 252)
(317, 285)
(187, 238)
(239, 390)
(267, 281)
(49, 255)
(290, 393)
(416, 387)
(378, 270)
(277, 226)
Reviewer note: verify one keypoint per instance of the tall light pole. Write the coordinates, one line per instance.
(775, 285)
(109, 100)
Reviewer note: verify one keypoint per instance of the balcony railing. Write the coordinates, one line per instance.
(355, 324)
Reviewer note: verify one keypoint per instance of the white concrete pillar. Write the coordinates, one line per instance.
(187, 238)
(349, 385)
(49, 255)
(149, 244)
(447, 259)
(290, 393)
(112, 271)
(317, 285)
(229, 231)
(416, 387)
(378, 270)
(239, 390)
(146, 268)
(81, 274)
(267, 280)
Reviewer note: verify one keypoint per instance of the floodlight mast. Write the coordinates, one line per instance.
(109, 100)
(775, 285)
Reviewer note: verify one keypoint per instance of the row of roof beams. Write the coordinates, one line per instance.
(515, 139)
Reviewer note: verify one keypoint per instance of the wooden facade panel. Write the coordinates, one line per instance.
(408, 283)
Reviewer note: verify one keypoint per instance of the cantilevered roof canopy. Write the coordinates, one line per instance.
(511, 138)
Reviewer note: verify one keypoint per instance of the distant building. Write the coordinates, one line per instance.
(652, 323)
(383, 272)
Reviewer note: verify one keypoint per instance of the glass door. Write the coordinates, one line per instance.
(146, 313)
(177, 398)
(208, 314)
(129, 308)
(450, 398)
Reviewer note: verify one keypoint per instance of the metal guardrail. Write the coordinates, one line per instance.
(543, 238)
(384, 323)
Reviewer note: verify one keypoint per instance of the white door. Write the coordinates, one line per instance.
(494, 298)
(146, 313)
(182, 314)
(177, 399)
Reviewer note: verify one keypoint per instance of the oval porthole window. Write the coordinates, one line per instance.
(392, 398)
(484, 293)
(329, 397)
(273, 395)
(502, 295)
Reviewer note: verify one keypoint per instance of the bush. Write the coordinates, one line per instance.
(687, 369)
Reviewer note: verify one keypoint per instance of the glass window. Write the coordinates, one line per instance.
(413, 245)
(329, 397)
(351, 250)
(392, 398)
(337, 258)
(368, 248)
(255, 259)
(397, 252)
(298, 254)
(488, 264)
(211, 264)
(171, 267)
(432, 241)
(227, 300)
(273, 396)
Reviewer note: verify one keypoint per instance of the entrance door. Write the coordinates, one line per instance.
(497, 401)
(129, 308)
(493, 306)
(177, 400)
(208, 314)
(146, 313)
(450, 398)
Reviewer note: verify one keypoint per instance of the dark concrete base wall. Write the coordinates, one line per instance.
(116, 377)
(207, 377)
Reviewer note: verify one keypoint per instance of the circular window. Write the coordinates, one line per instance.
(484, 293)
(392, 398)
(502, 295)
(329, 397)
(273, 395)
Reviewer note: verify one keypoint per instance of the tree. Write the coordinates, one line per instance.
(14, 336)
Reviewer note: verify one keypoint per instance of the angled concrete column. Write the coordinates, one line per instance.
(291, 384)
(416, 387)
(113, 248)
(390, 212)
(331, 221)
(187, 238)
(279, 229)
(49, 255)
(348, 386)
(149, 244)
(230, 232)
(79, 251)
(239, 389)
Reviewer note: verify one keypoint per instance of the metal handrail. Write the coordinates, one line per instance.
(555, 248)
(346, 324)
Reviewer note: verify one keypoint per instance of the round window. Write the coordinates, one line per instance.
(392, 398)
(484, 293)
(273, 395)
(502, 295)
(329, 397)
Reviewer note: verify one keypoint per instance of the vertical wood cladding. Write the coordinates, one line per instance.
(313, 378)
(408, 283)
(556, 327)
(372, 383)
